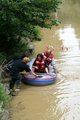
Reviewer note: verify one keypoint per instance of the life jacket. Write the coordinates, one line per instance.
(48, 57)
(40, 64)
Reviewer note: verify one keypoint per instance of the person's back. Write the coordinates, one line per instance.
(10, 62)
(19, 66)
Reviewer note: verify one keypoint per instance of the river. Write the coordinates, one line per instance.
(59, 101)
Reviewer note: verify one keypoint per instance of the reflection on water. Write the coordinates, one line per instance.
(68, 100)
(72, 55)
(68, 92)
(60, 101)
(69, 40)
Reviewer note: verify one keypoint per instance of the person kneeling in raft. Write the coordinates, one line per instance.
(48, 54)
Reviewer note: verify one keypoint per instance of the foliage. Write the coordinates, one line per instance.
(2, 57)
(18, 50)
(3, 96)
(4, 99)
(21, 18)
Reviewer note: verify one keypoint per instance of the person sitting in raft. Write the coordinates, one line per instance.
(40, 64)
(17, 67)
(48, 54)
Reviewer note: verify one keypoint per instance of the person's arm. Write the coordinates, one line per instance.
(29, 70)
(54, 66)
(34, 66)
(33, 73)
(46, 69)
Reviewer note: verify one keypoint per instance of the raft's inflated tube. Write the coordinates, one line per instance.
(42, 79)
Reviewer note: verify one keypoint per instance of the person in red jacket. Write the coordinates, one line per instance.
(40, 64)
(48, 54)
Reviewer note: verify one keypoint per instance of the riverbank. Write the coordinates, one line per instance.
(4, 103)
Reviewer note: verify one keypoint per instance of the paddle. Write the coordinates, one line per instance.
(61, 74)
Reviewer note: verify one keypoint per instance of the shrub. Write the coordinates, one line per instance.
(2, 57)
(19, 18)
(4, 98)
(3, 95)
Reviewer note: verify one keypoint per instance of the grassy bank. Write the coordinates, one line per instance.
(4, 99)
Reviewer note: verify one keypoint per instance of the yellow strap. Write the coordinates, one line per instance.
(23, 72)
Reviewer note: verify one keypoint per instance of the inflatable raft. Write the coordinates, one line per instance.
(41, 79)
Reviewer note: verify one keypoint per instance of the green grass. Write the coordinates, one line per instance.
(3, 96)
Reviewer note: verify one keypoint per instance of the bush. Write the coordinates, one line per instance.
(4, 98)
(3, 95)
(2, 57)
(19, 18)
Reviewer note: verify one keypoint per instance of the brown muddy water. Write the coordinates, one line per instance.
(59, 101)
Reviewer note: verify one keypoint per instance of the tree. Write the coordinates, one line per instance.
(21, 18)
